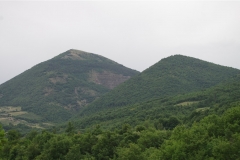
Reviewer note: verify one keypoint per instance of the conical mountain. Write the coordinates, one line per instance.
(56, 89)
(171, 76)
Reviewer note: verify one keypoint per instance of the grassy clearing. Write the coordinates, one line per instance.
(14, 121)
(8, 120)
(202, 109)
(17, 113)
(36, 126)
(15, 116)
(48, 124)
(29, 116)
(187, 103)
(10, 109)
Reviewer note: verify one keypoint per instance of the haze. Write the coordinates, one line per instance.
(135, 34)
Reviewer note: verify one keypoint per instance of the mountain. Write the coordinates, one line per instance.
(172, 76)
(54, 90)
(169, 77)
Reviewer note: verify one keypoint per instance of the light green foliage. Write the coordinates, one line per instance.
(133, 152)
(2, 138)
(214, 137)
(151, 138)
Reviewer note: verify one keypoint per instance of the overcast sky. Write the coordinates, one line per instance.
(135, 34)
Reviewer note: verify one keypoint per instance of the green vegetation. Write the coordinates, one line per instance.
(180, 108)
(162, 111)
(214, 137)
(169, 77)
(2, 138)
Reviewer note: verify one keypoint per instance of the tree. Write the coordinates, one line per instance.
(106, 146)
(133, 152)
(70, 128)
(56, 148)
(3, 140)
(13, 135)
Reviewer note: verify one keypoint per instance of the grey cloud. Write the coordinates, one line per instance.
(135, 34)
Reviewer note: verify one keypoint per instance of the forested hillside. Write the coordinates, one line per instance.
(169, 77)
(169, 112)
(54, 90)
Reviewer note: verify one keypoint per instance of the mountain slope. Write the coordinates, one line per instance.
(169, 112)
(171, 76)
(54, 90)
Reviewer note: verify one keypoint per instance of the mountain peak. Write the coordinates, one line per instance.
(74, 54)
(79, 55)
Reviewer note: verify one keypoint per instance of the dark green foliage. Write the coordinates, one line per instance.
(2, 138)
(13, 135)
(23, 129)
(106, 145)
(56, 148)
(70, 128)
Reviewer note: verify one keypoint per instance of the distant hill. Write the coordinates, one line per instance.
(170, 76)
(54, 90)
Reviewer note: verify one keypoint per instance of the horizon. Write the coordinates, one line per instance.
(118, 62)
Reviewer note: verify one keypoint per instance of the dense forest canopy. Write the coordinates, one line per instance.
(214, 137)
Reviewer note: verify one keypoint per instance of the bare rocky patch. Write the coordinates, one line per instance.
(58, 79)
(47, 91)
(74, 55)
(85, 91)
(82, 103)
(107, 79)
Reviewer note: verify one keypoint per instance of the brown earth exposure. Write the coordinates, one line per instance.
(107, 79)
